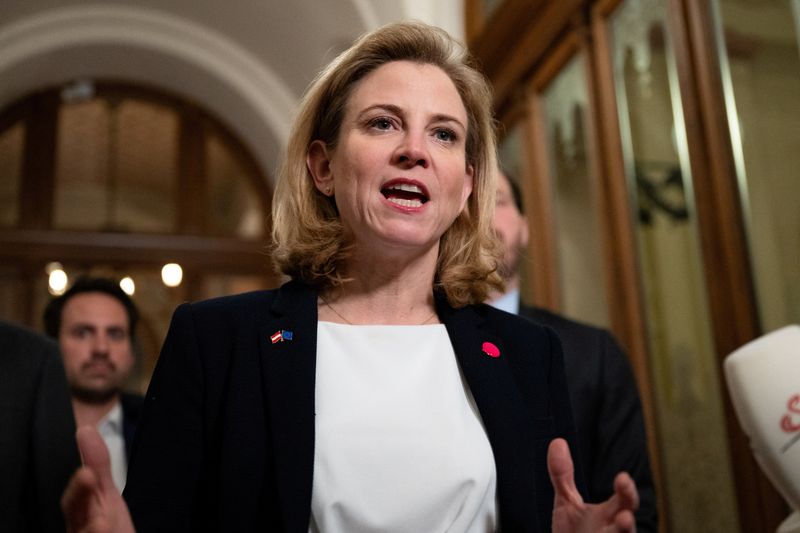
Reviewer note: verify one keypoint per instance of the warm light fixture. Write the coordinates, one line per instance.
(57, 281)
(171, 274)
(127, 285)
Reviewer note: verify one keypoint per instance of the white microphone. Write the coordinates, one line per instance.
(764, 383)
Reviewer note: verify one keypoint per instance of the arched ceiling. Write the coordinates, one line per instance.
(248, 62)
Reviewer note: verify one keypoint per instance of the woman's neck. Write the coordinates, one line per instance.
(383, 290)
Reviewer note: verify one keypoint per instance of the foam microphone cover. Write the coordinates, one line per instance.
(763, 379)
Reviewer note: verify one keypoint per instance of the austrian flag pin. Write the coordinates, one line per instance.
(280, 336)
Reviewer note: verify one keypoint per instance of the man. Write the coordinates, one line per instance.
(94, 322)
(37, 432)
(605, 401)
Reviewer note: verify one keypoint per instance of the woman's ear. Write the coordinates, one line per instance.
(469, 181)
(319, 165)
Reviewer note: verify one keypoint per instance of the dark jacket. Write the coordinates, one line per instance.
(607, 411)
(131, 410)
(226, 439)
(38, 453)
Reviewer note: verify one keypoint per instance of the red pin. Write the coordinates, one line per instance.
(490, 349)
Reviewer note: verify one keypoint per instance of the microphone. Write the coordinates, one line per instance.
(763, 378)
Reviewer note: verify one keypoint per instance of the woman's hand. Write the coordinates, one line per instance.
(91, 502)
(572, 515)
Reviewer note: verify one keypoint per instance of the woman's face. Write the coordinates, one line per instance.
(399, 171)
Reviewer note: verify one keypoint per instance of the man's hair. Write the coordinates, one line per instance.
(310, 241)
(86, 284)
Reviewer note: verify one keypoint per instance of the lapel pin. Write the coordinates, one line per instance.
(490, 349)
(281, 335)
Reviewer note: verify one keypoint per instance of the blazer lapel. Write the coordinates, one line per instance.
(503, 410)
(288, 343)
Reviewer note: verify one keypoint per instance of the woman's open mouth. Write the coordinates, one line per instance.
(405, 194)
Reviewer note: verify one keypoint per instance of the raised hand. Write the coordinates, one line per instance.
(572, 515)
(91, 502)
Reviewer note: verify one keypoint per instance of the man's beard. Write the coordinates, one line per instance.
(505, 270)
(508, 265)
(94, 396)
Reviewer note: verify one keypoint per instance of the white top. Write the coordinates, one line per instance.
(399, 446)
(110, 428)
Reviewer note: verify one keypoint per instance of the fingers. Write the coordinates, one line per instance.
(624, 522)
(94, 455)
(618, 509)
(562, 472)
(77, 498)
(625, 490)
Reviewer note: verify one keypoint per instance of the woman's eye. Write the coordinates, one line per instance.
(381, 123)
(445, 135)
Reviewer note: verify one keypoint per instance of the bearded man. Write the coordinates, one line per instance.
(94, 323)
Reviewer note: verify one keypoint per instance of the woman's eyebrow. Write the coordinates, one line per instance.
(441, 117)
(389, 108)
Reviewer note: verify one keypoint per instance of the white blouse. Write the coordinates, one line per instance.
(399, 445)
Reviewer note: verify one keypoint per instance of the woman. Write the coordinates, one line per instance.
(373, 392)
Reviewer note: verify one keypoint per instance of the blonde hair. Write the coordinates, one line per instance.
(309, 237)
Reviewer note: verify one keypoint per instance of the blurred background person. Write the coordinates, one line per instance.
(37, 432)
(94, 322)
(605, 401)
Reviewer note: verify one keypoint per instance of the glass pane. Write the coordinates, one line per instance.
(144, 178)
(116, 166)
(509, 155)
(82, 164)
(12, 143)
(510, 152)
(761, 72)
(234, 204)
(489, 7)
(686, 381)
(574, 196)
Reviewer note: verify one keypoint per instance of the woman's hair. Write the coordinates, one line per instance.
(310, 241)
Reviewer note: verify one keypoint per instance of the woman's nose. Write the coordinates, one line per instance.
(412, 152)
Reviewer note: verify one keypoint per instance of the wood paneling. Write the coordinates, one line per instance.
(220, 255)
(515, 40)
(622, 271)
(39, 156)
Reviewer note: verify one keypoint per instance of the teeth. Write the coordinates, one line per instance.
(406, 187)
(406, 203)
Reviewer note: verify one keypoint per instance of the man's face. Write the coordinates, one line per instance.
(511, 228)
(95, 345)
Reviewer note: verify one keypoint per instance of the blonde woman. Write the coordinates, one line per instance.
(373, 392)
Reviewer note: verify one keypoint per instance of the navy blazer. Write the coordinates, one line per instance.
(226, 438)
(131, 410)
